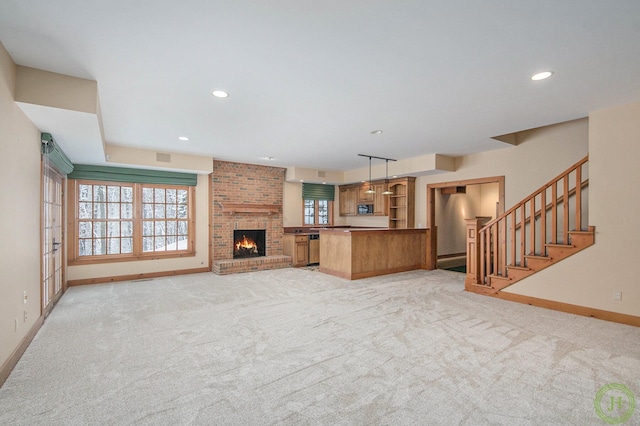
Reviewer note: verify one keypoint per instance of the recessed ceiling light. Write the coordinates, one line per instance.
(183, 138)
(376, 132)
(542, 75)
(268, 158)
(220, 94)
(301, 180)
(324, 183)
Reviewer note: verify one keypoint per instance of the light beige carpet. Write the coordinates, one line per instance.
(298, 347)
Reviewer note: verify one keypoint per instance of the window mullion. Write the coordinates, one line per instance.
(137, 219)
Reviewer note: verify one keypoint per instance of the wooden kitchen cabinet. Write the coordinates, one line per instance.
(380, 200)
(348, 199)
(399, 206)
(296, 246)
(363, 197)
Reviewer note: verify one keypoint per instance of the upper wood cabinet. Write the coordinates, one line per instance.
(363, 196)
(380, 205)
(399, 206)
(348, 199)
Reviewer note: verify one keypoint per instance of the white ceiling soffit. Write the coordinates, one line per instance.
(77, 133)
(309, 81)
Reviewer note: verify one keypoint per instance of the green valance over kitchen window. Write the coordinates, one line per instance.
(123, 174)
(54, 154)
(315, 191)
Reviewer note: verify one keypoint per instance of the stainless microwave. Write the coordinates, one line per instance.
(365, 208)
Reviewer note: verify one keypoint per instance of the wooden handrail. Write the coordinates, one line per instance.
(535, 194)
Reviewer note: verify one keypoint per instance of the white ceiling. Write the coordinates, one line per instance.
(309, 80)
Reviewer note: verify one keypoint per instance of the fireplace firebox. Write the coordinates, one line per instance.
(249, 243)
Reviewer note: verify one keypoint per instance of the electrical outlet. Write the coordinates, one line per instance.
(617, 296)
(25, 297)
(26, 316)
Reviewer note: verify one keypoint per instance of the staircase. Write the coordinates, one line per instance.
(541, 230)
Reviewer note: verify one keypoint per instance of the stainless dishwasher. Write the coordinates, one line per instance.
(314, 249)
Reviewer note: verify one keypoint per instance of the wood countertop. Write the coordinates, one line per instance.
(361, 231)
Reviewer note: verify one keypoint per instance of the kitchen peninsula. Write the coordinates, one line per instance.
(354, 253)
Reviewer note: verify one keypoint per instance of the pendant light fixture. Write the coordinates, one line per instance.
(370, 190)
(386, 179)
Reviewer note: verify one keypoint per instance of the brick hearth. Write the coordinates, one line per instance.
(237, 183)
(232, 266)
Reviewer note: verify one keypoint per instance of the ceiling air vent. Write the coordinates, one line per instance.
(163, 158)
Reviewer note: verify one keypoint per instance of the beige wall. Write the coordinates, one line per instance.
(137, 157)
(50, 89)
(589, 278)
(200, 260)
(489, 196)
(20, 215)
(292, 205)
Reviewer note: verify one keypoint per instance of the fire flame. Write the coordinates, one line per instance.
(247, 244)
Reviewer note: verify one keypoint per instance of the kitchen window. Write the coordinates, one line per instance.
(317, 204)
(116, 221)
(318, 212)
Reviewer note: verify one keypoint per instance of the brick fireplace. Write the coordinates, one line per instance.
(247, 197)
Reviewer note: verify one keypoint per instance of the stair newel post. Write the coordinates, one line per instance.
(473, 252)
(475, 245)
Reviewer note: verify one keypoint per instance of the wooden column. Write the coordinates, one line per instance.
(473, 250)
(473, 253)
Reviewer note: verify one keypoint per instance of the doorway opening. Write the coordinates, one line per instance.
(448, 205)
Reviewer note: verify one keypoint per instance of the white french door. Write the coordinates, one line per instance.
(52, 236)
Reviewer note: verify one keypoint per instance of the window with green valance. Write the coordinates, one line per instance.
(315, 191)
(123, 174)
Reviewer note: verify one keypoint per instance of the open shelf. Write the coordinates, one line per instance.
(398, 203)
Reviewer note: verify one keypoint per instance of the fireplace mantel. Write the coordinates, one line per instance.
(231, 208)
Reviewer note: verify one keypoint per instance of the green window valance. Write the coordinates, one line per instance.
(315, 191)
(54, 154)
(123, 174)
